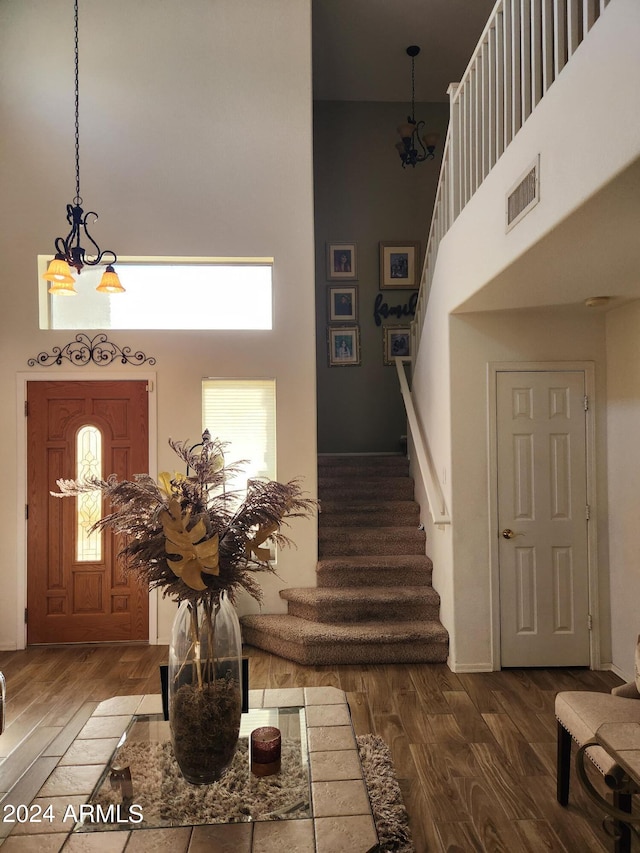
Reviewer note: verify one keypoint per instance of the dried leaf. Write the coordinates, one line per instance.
(196, 556)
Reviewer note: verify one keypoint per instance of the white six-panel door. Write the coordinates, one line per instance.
(542, 518)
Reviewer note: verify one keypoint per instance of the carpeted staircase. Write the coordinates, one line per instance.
(374, 602)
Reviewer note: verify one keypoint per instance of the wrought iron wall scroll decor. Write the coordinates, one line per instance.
(85, 350)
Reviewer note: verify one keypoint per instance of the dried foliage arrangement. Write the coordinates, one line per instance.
(191, 537)
(186, 533)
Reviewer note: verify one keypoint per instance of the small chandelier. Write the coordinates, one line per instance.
(69, 252)
(408, 149)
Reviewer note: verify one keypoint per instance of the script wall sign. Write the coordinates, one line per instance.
(381, 309)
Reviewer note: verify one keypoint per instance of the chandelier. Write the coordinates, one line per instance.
(69, 252)
(413, 148)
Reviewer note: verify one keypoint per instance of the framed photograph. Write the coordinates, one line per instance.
(341, 261)
(397, 342)
(343, 303)
(344, 345)
(399, 265)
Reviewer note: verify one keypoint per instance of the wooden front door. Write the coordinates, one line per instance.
(543, 518)
(77, 589)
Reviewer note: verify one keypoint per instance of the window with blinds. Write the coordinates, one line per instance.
(242, 412)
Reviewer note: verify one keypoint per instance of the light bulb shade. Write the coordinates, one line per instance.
(59, 272)
(430, 139)
(406, 130)
(63, 288)
(110, 283)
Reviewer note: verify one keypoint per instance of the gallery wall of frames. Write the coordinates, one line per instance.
(371, 218)
(399, 269)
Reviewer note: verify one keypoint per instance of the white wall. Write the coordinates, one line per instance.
(431, 392)
(513, 336)
(572, 129)
(459, 438)
(623, 428)
(187, 112)
(552, 257)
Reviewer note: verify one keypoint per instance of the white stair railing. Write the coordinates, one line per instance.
(523, 48)
(435, 495)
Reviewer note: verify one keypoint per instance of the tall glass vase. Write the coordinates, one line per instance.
(205, 688)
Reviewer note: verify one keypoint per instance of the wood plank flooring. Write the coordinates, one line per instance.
(474, 753)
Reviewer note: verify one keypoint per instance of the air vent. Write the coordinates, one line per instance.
(523, 195)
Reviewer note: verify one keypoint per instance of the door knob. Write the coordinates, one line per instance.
(509, 534)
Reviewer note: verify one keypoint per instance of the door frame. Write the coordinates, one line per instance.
(22, 378)
(588, 369)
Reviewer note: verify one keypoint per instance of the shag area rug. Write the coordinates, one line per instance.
(389, 813)
(166, 799)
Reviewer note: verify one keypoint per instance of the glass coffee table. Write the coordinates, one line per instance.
(323, 805)
(142, 783)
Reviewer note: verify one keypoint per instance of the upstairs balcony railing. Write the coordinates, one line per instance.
(522, 50)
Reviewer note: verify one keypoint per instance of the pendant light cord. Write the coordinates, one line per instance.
(78, 199)
(69, 251)
(413, 87)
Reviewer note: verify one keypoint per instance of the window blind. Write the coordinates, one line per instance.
(242, 412)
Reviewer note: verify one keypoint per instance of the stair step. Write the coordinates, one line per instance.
(353, 604)
(347, 541)
(315, 643)
(373, 602)
(365, 488)
(367, 513)
(391, 466)
(374, 571)
(365, 472)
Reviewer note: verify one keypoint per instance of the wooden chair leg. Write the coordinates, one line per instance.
(563, 765)
(623, 843)
(3, 699)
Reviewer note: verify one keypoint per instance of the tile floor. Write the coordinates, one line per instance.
(341, 822)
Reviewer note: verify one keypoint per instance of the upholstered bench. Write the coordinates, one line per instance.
(580, 714)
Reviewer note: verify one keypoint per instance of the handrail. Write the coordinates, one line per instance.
(435, 495)
(523, 48)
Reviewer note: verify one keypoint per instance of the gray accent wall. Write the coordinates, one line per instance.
(364, 196)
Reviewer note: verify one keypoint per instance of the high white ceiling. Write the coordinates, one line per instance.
(359, 47)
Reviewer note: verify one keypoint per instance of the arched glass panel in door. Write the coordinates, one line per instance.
(88, 504)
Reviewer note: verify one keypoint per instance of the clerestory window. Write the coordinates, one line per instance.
(166, 293)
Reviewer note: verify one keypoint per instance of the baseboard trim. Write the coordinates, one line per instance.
(486, 667)
(8, 647)
(625, 676)
(469, 667)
